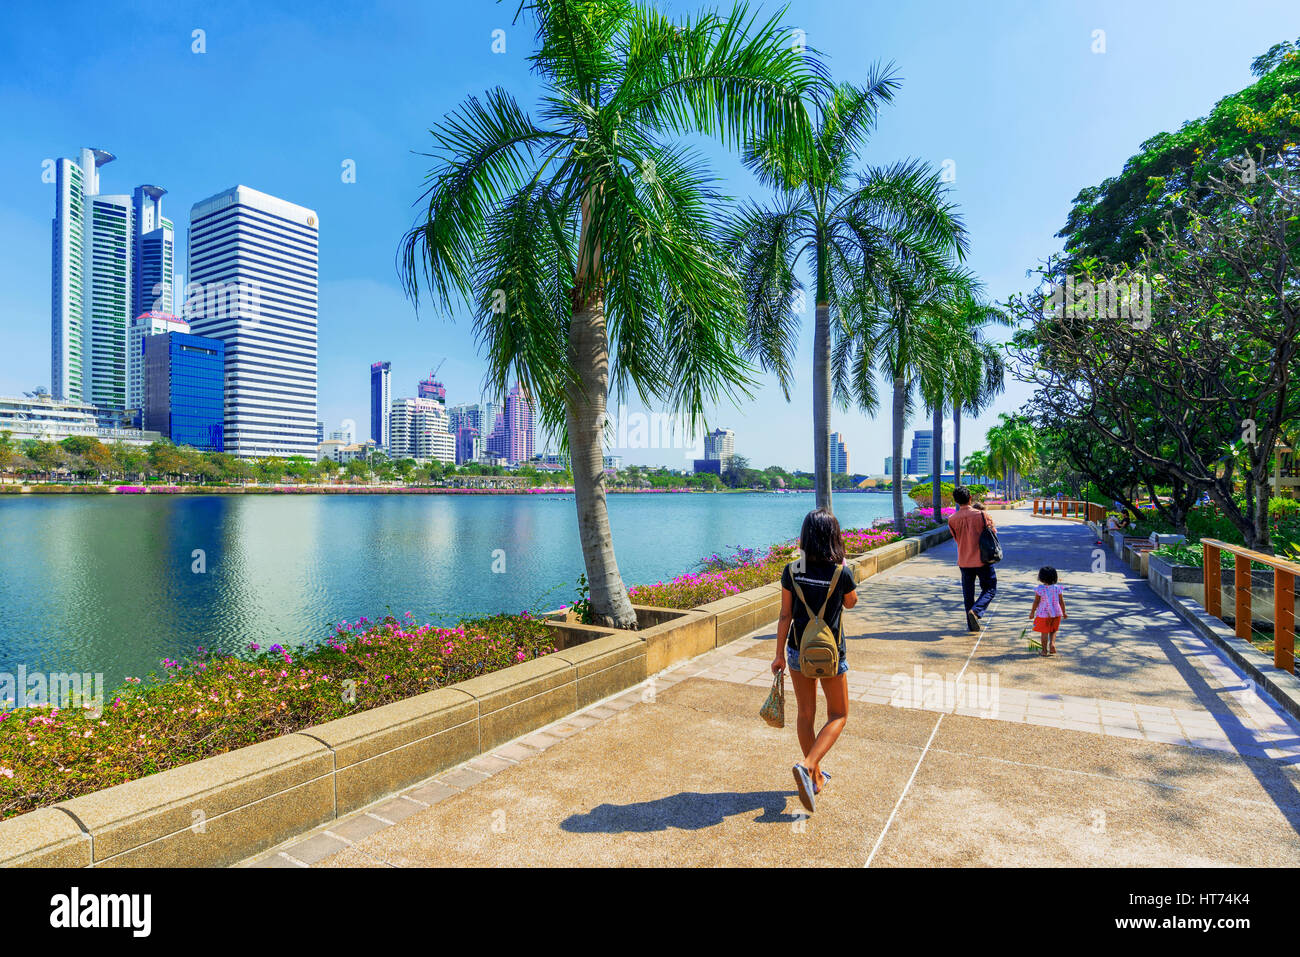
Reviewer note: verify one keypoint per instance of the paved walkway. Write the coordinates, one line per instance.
(1138, 744)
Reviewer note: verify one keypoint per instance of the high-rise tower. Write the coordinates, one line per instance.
(112, 259)
(253, 285)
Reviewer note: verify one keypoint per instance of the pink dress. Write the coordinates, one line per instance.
(1047, 617)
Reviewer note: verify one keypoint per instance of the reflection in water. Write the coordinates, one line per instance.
(107, 583)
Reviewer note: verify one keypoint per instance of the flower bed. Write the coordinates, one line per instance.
(721, 577)
(50, 488)
(219, 702)
(702, 587)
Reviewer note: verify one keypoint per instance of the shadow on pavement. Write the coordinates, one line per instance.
(687, 811)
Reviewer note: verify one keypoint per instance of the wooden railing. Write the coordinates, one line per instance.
(1284, 574)
(1070, 508)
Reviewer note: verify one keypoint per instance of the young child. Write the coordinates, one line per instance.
(1048, 609)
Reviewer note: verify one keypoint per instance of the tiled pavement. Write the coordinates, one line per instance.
(960, 749)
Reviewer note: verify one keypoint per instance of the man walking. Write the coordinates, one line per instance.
(966, 524)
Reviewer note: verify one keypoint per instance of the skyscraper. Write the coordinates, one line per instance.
(498, 441)
(381, 403)
(184, 389)
(74, 183)
(146, 324)
(419, 431)
(922, 446)
(839, 455)
(720, 446)
(431, 388)
(520, 426)
(106, 249)
(468, 445)
(154, 243)
(253, 284)
(467, 414)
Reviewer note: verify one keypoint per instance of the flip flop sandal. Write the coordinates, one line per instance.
(826, 778)
(803, 782)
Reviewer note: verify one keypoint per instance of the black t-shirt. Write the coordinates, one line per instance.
(814, 580)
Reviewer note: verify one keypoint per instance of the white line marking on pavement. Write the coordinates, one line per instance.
(926, 750)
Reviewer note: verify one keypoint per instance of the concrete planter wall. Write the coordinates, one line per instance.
(223, 809)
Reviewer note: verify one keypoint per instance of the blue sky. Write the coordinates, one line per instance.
(1011, 92)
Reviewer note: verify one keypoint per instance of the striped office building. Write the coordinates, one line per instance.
(253, 285)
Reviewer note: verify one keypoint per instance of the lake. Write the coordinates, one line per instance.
(107, 583)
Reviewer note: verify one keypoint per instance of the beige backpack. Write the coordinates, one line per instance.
(819, 649)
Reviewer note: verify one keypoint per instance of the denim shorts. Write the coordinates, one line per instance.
(792, 659)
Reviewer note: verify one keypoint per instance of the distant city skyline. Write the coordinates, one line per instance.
(352, 150)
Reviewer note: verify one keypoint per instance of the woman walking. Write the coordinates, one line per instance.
(816, 587)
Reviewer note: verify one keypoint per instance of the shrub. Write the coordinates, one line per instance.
(1180, 553)
(922, 494)
(48, 488)
(217, 702)
(1284, 508)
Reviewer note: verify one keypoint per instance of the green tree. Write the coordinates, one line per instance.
(977, 464)
(299, 468)
(357, 470)
(898, 329)
(853, 228)
(328, 469)
(269, 468)
(129, 460)
(9, 454)
(585, 240)
(977, 371)
(1107, 221)
(46, 457)
(1012, 450)
(165, 459)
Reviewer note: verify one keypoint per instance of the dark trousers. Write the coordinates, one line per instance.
(988, 580)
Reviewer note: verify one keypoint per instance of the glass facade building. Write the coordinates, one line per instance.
(112, 260)
(184, 388)
(381, 403)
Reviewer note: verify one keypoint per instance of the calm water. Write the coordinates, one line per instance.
(105, 583)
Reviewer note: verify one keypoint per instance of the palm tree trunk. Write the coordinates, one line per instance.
(956, 443)
(900, 402)
(822, 405)
(585, 420)
(936, 457)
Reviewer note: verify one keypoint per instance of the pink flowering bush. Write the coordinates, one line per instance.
(915, 522)
(723, 575)
(217, 702)
(720, 578)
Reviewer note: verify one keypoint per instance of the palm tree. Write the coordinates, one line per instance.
(948, 348)
(1012, 449)
(977, 464)
(979, 370)
(587, 241)
(852, 229)
(894, 329)
(970, 371)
